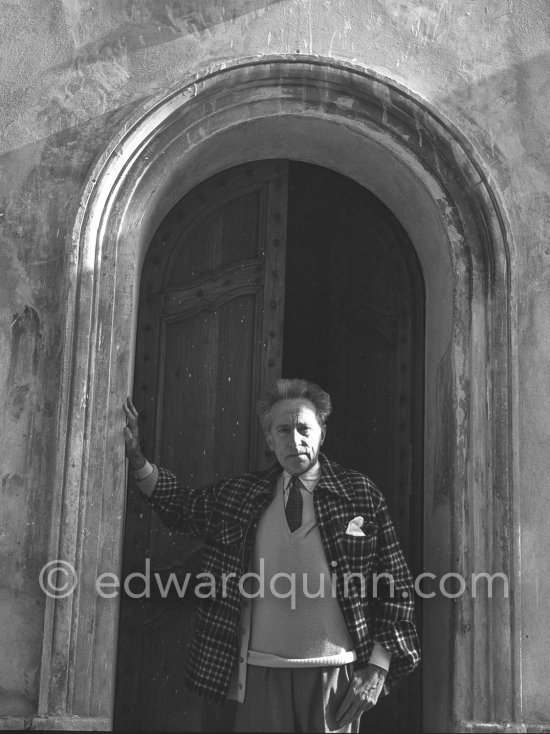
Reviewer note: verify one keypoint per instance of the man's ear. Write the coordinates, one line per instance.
(268, 439)
(323, 434)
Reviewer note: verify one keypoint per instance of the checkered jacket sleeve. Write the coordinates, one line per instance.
(392, 605)
(185, 510)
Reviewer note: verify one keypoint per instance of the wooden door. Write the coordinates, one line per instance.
(354, 315)
(210, 336)
(209, 340)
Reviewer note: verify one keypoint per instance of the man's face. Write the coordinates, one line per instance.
(295, 434)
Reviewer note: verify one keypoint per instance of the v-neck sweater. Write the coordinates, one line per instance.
(296, 620)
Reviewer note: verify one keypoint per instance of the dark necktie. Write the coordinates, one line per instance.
(294, 504)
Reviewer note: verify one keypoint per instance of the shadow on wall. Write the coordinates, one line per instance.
(142, 25)
(103, 71)
(113, 69)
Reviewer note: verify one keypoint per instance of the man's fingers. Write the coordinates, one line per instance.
(356, 710)
(350, 708)
(131, 407)
(130, 420)
(130, 438)
(350, 716)
(346, 704)
(344, 722)
(355, 702)
(131, 414)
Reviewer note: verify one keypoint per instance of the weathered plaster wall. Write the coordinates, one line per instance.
(72, 70)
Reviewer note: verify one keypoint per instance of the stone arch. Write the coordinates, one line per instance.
(371, 130)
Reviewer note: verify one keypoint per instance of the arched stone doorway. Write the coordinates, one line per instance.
(358, 124)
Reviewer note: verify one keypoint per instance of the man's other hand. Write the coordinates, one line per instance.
(131, 436)
(364, 688)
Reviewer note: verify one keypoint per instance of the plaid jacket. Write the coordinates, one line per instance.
(226, 515)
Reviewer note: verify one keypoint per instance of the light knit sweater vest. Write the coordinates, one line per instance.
(297, 630)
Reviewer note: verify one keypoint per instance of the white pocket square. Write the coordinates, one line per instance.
(354, 526)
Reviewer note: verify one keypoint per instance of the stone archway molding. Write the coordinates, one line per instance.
(371, 129)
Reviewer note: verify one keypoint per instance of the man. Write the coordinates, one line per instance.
(309, 656)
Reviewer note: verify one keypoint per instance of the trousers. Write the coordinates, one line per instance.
(293, 700)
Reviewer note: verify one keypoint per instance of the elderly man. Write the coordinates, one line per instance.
(324, 623)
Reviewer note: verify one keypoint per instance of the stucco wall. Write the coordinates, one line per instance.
(71, 73)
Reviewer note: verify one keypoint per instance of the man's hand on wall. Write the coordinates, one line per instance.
(363, 692)
(131, 436)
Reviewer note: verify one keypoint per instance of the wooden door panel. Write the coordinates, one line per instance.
(209, 340)
(208, 370)
(218, 227)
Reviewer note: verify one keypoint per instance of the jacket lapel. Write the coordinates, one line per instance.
(260, 492)
(335, 480)
(333, 501)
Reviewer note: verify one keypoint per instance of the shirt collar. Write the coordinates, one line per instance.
(309, 478)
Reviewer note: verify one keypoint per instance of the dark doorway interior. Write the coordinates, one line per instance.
(353, 322)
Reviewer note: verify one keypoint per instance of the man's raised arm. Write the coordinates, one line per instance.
(145, 474)
(185, 510)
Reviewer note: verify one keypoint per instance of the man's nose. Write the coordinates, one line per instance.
(296, 438)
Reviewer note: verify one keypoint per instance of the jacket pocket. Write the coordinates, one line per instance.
(361, 551)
